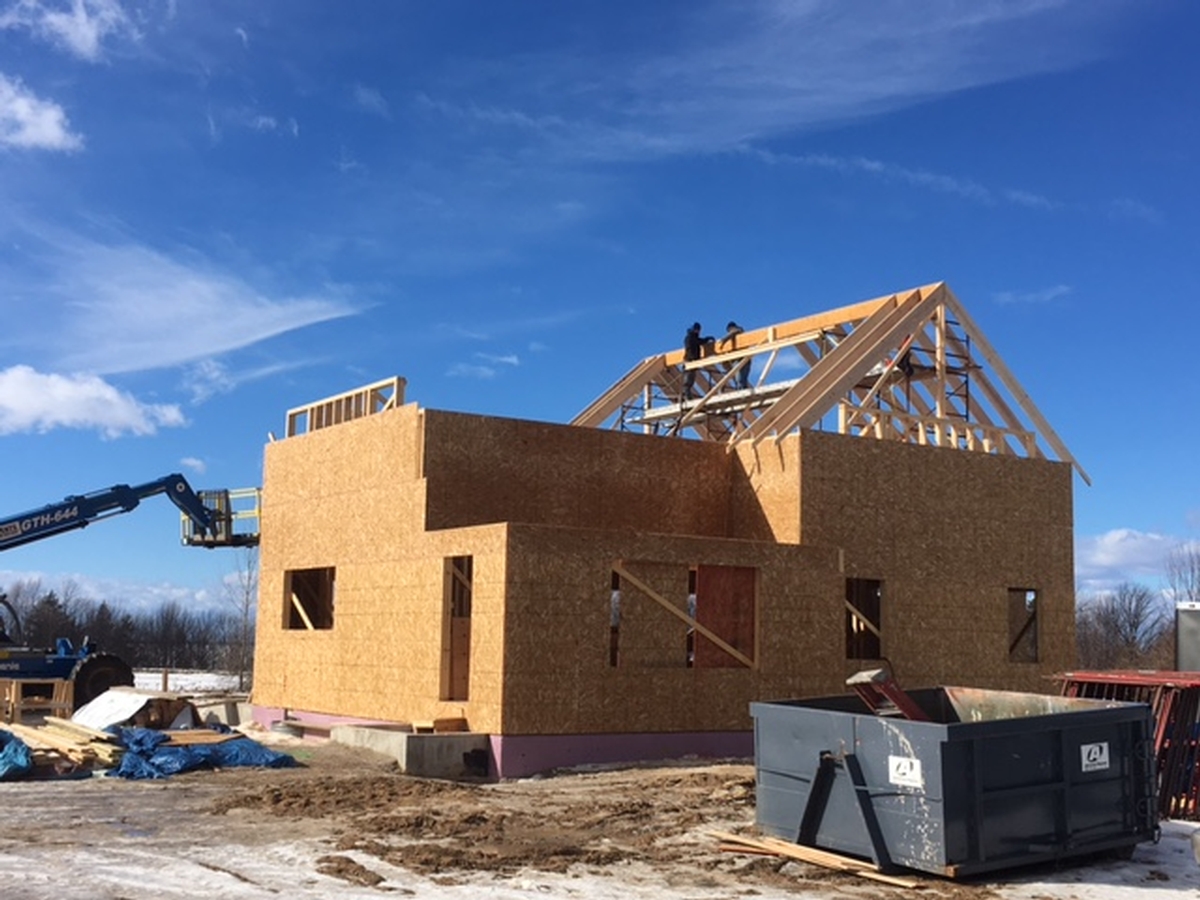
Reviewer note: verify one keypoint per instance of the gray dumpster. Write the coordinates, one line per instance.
(996, 779)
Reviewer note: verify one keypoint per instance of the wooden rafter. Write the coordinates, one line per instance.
(1014, 387)
(632, 383)
(911, 366)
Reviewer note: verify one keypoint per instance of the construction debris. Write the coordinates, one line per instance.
(769, 846)
(132, 734)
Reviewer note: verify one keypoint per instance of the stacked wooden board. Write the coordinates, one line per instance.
(61, 746)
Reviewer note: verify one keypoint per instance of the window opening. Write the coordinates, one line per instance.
(308, 599)
(456, 628)
(690, 651)
(614, 637)
(1022, 625)
(718, 616)
(864, 636)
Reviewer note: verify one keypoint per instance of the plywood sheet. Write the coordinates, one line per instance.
(725, 604)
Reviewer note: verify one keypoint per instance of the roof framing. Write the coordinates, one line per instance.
(911, 366)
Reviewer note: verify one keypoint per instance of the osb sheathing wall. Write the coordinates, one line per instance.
(948, 532)
(765, 492)
(558, 677)
(483, 469)
(350, 497)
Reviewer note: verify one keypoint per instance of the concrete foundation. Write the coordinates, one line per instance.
(456, 755)
(518, 756)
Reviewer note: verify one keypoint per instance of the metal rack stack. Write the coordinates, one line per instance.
(1174, 698)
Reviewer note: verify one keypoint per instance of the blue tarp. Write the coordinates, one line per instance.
(15, 759)
(146, 756)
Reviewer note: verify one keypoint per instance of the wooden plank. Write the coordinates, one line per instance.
(867, 623)
(764, 339)
(299, 607)
(824, 858)
(83, 732)
(189, 738)
(626, 387)
(40, 738)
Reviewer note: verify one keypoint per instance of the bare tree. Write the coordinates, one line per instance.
(1128, 628)
(1183, 573)
(241, 589)
(22, 596)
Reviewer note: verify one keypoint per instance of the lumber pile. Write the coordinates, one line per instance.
(770, 846)
(61, 746)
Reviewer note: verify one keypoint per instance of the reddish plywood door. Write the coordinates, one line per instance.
(725, 606)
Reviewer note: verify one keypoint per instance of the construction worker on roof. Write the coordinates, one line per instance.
(732, 330)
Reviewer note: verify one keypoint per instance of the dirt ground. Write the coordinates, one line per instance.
(596, 820)
(359, 822)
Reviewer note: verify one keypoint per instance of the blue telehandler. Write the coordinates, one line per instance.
(208, 523)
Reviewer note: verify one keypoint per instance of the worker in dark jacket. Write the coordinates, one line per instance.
(694, 347)
(732, 330)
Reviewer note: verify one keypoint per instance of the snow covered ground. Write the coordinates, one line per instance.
(138, 861)
(186, 682)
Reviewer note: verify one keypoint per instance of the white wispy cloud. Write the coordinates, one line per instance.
(210, 377)
(963, 188)
(109, 308)
(192, 464)
(508, 359)
(370, 100)
(506, 328)
(742, 74)
(1134, 210)
(78, 26)
(263, 123)
(467, 370)
(243, 36)
(207, 378)
(1122, 554)
(1044, 295)
(29, 122)
(32, 401)
(346, 162)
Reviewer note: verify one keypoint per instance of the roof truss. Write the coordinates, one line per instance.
(910, 367)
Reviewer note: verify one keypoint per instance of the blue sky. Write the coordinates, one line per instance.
(211, 212)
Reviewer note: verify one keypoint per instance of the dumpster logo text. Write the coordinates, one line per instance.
(905, 771)
(1094, 757)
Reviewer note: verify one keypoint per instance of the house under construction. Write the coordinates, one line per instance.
(882, 492)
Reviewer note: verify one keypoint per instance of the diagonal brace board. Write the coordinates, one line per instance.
(682, 616)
